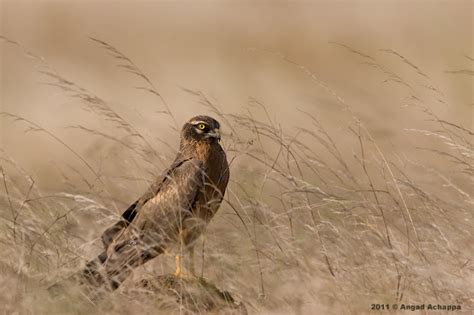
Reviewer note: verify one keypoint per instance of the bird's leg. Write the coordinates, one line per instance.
(178, 273)
(178, 258)
(192, 270)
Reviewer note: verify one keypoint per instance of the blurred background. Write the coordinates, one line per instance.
(206, 46)
(393, 66)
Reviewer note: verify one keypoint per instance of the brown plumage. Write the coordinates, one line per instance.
(174, 210)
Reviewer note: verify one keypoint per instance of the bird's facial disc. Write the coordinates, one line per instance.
(205, 131)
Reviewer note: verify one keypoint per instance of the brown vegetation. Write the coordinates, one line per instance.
(316, 220)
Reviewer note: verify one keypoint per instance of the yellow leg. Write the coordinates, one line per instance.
(178, 273)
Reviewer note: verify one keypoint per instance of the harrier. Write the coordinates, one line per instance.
(173, 211)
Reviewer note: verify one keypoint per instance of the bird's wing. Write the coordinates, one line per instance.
(154, 219)
(159, 222)
(186, 174)
(174, 201)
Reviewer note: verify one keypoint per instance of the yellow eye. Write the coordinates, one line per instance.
(202, 126)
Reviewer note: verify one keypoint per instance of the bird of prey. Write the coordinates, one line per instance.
(174, 210)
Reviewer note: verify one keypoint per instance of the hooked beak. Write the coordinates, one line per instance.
(215, 134)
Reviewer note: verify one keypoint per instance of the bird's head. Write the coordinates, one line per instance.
(201, 128)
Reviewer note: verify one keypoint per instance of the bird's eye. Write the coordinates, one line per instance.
(201, 126)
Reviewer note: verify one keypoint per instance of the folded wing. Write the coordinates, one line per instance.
(148, 225)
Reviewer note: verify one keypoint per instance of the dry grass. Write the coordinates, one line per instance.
(309, 225)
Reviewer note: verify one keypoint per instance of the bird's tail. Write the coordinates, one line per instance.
(110, 269)
(93, 274)
(91, 280)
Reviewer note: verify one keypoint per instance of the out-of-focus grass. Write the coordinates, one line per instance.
(308, 225)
